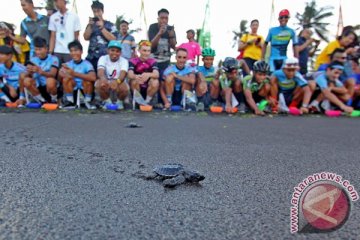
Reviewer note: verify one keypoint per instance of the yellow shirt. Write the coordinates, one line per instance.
(324, 56)
(252, 51)
(21, 49)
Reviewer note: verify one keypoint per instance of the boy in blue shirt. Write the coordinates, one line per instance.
(77, 74)
(40, 79)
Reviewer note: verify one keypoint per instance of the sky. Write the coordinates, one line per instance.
(225, 16)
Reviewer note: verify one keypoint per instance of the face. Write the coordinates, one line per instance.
(306, 33)
(27, 7)
(333, 74)
(346, 41)
(145, 52)
(341, 57)
(41, 52)
(189, 35)
(283, 20)
(208, 61)
(75, 54)
(254, 26)
(124, 28)
(163, 19)
(260, 77)
(181, 57)
(60, 4)
(97, 13)
(114, 54)
(5, 57)
(289, 72)
(233, 75)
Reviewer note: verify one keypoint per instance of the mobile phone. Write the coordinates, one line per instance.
(95, 19)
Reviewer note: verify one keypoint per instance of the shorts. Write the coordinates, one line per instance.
(288, 96)
(275, 64)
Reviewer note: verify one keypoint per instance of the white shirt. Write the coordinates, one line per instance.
(113, 69)
(65, 27)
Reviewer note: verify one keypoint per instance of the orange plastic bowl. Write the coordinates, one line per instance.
(50, 106)
(216, 109)
(146, 108)
(11, 105)
(234, 110)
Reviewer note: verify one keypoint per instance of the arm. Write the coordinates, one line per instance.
(20, 40)
(245, 67)
(305, 44)
(250, 100)
(187, 79)
(88, 32)
(338, 90)
(52, 42)
(274, 88)
(76, 35)
(51, 74)
(296, 51)
(307, 95)
(263, 50)
(101, 74)
(90, 76)
(172, 38)
(333, 99)
(155, 37)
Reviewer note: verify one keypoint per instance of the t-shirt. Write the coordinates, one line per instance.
(11, 76)
(193, 49)
(288, 85)
(65, 27)
(113, 69)
(224, 81)
(187, 70)
(279, 37)
(208, 73)
(83, 67)
(98, 43)
(252, 51)
(250, 83)
(162, 51)
(139, 67)
(323, 82)
(303, 56)
(346, 73)
(324, 56)
(127, 45)
(45, 64)
(33, 29)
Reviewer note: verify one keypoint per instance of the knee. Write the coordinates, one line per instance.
(28, 82)
(155, 83)
(51, 83)
(169, 80)
(215, 83)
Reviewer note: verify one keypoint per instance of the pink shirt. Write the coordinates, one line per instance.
(193, 49)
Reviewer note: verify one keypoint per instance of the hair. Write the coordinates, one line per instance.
(75, 44)
(181, 49)
(333, 64)
(40, 42)
(163, 10)
(337, 50)
(255, 20)
(97, 5)
(29, 1)
(144, 43)
(124, 21)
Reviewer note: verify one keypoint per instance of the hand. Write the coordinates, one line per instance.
(113, 85)
(272, 101)
(162, 29)
(304, 110)
(251, 41)
(228, 108)
(144, 77)
(347, 109)
(91, 22)
(65, 68)
(100, 24)
(171, 33)
(259, 113)
(30, 68)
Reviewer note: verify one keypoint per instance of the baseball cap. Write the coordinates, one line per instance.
(291, 63)
(5, 49)
(284, 12)
(114, 44)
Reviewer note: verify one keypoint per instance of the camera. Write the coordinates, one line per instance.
(95, 19)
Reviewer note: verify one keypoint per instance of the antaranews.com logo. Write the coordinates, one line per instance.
(321, 203)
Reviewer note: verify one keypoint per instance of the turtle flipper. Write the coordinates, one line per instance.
(193, 176)
(173, 182)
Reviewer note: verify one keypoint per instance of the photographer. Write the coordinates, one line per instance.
(99, 32)
(307, 48)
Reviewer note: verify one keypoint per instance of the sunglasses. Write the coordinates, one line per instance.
(283, 17)
(62, 20)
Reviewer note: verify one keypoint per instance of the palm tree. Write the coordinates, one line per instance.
(315, 18)
(242, 31)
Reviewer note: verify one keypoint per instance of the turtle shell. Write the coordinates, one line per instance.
(169, 170)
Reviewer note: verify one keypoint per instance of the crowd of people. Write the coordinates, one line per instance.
(50, 68)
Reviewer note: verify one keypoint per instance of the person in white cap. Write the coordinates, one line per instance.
(291, 88)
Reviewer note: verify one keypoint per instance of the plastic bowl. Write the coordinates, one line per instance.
(33, 105)
(355, 113)
(11, 105)
(216, 109)
(146, 108)
(234, 110)
(112, 107)
(50, 106)
(294, 111)
(333, 113)
(176, 108)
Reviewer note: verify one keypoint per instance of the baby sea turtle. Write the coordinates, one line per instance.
(175, 174)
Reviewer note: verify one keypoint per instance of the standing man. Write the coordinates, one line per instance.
(193, 48)
(127, 41)
(279, 37)
(65, 28)
(306, 49)
(163, 38)
(99, 32)
(34, 25)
